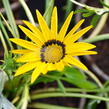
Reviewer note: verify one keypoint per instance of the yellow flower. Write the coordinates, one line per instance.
(49, 50)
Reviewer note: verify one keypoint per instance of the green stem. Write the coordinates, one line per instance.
(48, 106)
(4, 43)
(58, 94)
(94, 78)
(98, 11)
(25, 98)
(103, 90)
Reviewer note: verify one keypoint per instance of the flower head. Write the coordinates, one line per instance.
(49, 50)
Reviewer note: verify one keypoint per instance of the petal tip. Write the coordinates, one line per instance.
(11, 39)
(84, 68)
(32, 81)
(37, 12)
(82, 20)
(16, 74)
(96, 52)
(20, 26)
(91, 26)
(24, 21)
(55, 8)
(71, 13)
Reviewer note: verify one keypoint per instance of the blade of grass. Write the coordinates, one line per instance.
(27, 11)
(4, 44)
(8, 26)
(10, 17)
(5, 34)
(68, 8)
(48, 10)
(97, 38)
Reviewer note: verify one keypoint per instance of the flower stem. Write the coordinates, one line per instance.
(94, 78)
(59, 94)
(48, 106)
(99, 90)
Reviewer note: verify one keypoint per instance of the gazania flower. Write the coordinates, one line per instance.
(49, 50)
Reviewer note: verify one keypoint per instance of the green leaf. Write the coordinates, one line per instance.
(43, 79)
(80, 11)
(55, 73)
(76, 78)
(9, 63)
(50, 77)
(72, 73)
(88, 14)
(95, 20)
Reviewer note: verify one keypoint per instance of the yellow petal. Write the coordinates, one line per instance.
(74, 29)
(34, 29)
(31, 35)
(79, 46)
(25, 68)
(80, 53)
(44, 68)
(29, 57)
(51, 67)
(60, 65)
(77, 35)
(64, 28)
(43, 26)
(37, 71)
(24, 43)
(71, 60)
(20, 51)
(35, 75)
(54, 23)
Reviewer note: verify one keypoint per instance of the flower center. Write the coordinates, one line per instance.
(52, 51)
